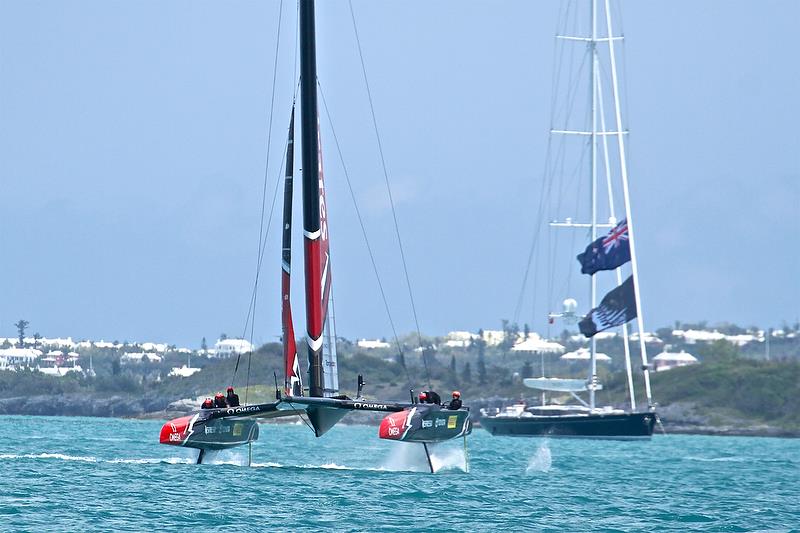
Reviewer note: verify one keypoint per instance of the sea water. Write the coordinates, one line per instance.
(73, 474)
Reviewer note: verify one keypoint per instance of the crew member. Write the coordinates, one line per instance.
(232, 398)
(423, 397)
(455, 403)
(219, 400)
(207, 404)
(433, 397)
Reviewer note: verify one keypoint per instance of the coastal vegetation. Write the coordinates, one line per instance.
(732, 386)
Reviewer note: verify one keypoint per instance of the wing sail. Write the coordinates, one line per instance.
(293, 384)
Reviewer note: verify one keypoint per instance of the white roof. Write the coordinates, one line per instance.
(676, 357)
(154, 346)
(239, 345)
(534, 343)
(369, 345)
(461, 336)
(29, 353)
(184, 371)
(583, 354)
(648, 337)
(139, 356)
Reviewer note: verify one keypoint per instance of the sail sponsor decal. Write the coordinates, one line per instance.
(451, 421)
(178, 431)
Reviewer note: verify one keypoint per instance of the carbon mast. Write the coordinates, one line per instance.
(322, 365)
(315, 230)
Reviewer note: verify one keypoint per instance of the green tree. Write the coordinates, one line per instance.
(453, 372)
(482, 365)
(223, 336)
(204, 346)
(21, 326)
(466, 374)
(526, 329)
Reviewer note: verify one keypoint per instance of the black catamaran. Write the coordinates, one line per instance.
(323, 406)
(613, 251)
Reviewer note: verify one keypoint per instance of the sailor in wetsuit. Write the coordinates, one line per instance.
(207, 404)
(232, 398)
(423, 397)
(219, 400)
(455, 403)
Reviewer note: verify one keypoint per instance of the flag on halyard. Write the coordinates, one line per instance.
(607, 253)
(616, 308)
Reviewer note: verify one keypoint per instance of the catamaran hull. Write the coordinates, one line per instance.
(212, 434)
(602, 426)
(218, 429)
(425, 424)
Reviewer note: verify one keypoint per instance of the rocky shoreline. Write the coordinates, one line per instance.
(676, 418)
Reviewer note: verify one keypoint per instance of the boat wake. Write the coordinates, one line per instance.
(411, 458)
(90, 459)
(541, 461)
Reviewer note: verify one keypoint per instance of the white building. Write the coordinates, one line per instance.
(459, 339)
(535, 343)
(139, 357)
(59, 371)
(493, 337)
(668, 360)
(693, 336)
(183, 371)
(159, 347)
(230, 347)
(583, 354)
(649, 338)
(741, 340)
(371, 345)
(18, 357)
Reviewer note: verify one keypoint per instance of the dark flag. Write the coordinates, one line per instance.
(616, 308)
(607, 253)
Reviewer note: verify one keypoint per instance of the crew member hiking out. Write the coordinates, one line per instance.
(455, 403)
(232, 398)
(219, 400)
(207, 404)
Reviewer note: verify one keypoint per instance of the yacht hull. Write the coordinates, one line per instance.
(597, 425)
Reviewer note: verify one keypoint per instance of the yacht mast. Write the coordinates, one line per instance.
(593, 163)
(626, 196)
(311, 199)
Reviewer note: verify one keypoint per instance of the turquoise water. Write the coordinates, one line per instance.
(71, 474)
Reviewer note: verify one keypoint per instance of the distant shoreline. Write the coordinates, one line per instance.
(156, 409)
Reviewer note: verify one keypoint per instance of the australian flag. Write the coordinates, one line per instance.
(607, 253)
(616, 308)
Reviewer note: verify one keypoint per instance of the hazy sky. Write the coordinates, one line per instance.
(132, 154)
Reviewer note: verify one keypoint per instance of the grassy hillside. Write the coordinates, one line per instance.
(735, 390)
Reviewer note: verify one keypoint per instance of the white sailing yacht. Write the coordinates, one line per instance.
(586, 171)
